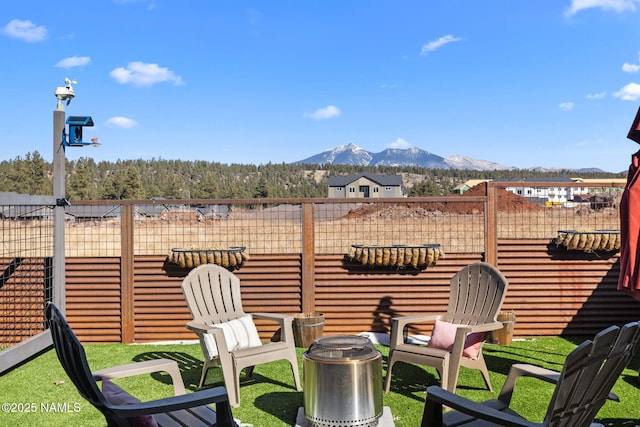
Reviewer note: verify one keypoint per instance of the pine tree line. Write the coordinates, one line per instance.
(180, 179)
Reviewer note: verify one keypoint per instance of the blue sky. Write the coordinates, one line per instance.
(522, 83)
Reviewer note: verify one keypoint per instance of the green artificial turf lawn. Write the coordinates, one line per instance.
(41, 394)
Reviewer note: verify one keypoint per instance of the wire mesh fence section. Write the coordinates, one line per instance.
(93, 230)
(454, 224)
(273, 228)
(26, 237)
(529, 218)
(276, 226)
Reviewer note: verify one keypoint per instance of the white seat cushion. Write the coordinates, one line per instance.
(239, 334)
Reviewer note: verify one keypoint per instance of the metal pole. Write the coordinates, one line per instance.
(59, 212)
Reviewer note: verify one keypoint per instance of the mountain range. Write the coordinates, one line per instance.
(351, 154)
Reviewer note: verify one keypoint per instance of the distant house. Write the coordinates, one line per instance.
(602, 183)
(213, 211)
(557, 195)
(550, 196)
(468, 185)
(365, 184)
(93, 213)
(27, 212)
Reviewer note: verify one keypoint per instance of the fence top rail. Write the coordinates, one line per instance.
(294, 201)
(11, 198)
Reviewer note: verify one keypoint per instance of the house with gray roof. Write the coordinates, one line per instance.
(365, 184)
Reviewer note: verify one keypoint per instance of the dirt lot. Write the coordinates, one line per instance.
(456, 226)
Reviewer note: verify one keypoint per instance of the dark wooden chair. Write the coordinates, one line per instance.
(582, 387)
(182, 410)
(476, 295)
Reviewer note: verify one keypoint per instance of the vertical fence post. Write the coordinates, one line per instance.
(491, 228)
(59, 176)
(308, 258)
(126, 275)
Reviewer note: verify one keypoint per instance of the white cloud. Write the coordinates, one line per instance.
(600, 95)
(142, 74)
(615, 5)
(151, 4)
(566, 106)
(399, 143)
(328, 112)
(121, 122)
(630, 68)
(629, 92)
(73, 61)
(435, 44)
(25, 30)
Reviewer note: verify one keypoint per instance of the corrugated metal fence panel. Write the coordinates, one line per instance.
(358, 298)
(160, 313)
(93, 298)
(554, 291)
(269, 284)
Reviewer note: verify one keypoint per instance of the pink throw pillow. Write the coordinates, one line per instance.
(444, 334)
(117, 396)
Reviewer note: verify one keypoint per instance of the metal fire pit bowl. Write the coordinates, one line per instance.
(342, 382)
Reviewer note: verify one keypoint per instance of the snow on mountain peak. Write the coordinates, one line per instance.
(458, 161)
(351, 154)
(348, 147)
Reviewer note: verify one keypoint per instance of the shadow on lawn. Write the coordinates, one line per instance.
(500, 358)
(634, 365)
(190, 367)
(411, 380)
(280, 404)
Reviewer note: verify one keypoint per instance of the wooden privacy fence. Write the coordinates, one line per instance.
(122, 287)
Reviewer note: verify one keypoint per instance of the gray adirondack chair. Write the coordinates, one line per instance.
(213, 296)
(476, 295)
(183, 409)
(582, 387)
